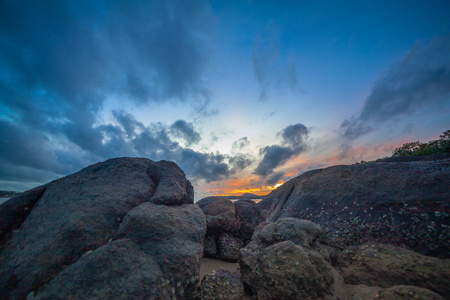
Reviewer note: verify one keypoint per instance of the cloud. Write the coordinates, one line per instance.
(209, 167)
(186, 131)
(64, 60)
(294, 142)
(240, 144)
(60, 62)
(273, 179)
(271, 72)
(239, 162)
(273, 156)
(419, 80)
(295, 136)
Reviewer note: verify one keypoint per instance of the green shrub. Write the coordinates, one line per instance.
(418, 148)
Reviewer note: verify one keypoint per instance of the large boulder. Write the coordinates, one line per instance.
(249, 217)
(220, 215)
(97, 234)
(282, 262)
(221, 284)
(286, 271)
(229, 247)
(301, 232)
(402, 203)
(386, 266)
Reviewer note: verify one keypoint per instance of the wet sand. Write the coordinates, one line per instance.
(208, 265)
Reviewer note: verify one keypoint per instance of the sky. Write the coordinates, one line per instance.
(242, 95)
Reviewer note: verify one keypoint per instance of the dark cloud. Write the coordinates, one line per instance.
(420, 80)
(273, 156)
(131, 137)
(186, 131)
(239, 162)
(295, 136)
(59, 62)
(210, 167)
(294, 139)
(240, 144)
(271, 72)
(27, 147)
(273, 179)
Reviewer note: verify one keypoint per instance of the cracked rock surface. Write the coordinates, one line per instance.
(99, 233)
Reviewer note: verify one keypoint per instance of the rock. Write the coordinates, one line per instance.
(172, 186)
(301, 232)
(120, 269)
(386, 266)
(400, 203)
(220, 215)
(221, 284)
(229, 247)
(210, 249)
(405, 292)
(104, 209)
(14, 211)
(249, 217)
(285, 271)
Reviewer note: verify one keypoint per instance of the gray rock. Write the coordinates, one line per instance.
(14, 211)
(172, 186)
(301, 232)
(406, 292)
(220, 215)
(120, 269)
(249, 217)
(386, 266)
(83, 212)
(285, 271)
(221, 284)
(210, 248)
(229, 247)
(400, 203)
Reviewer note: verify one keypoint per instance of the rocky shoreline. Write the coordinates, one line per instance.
(129, 228)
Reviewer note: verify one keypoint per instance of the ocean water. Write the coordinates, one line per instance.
(3, 199)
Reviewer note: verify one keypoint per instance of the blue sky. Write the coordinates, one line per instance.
(243, 95)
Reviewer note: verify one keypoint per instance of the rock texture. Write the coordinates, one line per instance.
(210, 248)
(99, 234)
(286, 271)
(249, 217)
(220, 215)
(301, 232)
(275, 267)
(229, 247)
(386, 266)
(405, 292)
(228, 223)
(401, 203)
(285, 260)
(221, 284)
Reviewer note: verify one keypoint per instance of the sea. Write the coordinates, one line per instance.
(3, 199)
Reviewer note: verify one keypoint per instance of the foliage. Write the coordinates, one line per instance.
(418, 148)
